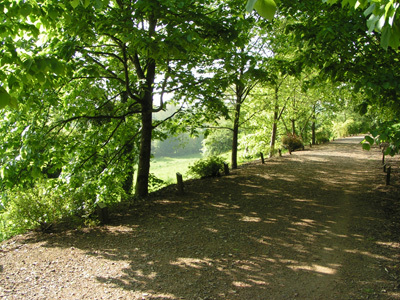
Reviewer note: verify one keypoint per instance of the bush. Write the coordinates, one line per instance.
(292, 142)
(322, 136)
(155, 183)
(31, 209)
(208, 167)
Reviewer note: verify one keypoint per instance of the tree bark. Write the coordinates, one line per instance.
(293, 126)
(274, 126)
(236, 132)
(313, 127)
(142, 180)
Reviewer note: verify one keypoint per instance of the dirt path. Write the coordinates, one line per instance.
(313, 225)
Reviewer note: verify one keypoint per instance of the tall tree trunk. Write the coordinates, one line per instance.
(142, 180)
(236, 132)
(313, 127)
(274, 126)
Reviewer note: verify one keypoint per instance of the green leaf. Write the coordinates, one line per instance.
(385, 37)
(74, 3)
(98, 4)
(5, 98)
(266, 8)
(366, 146)
(25, 9)
(372, 22)
(250, 5)
(369, 139)
(369, 10)
(86, 3)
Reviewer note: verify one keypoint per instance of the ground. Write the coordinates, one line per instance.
(317, 224)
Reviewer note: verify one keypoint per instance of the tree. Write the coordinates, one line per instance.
(102, 62)
(243, 64)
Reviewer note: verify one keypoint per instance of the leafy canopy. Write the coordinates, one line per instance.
(382, 15)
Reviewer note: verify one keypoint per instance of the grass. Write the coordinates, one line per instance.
(166, 168)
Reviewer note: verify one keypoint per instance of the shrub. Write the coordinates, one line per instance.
(292, 142)
(155, 183)
(208, 167)
(322, 137)
(32, 208)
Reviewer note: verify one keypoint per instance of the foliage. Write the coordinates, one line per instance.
(49, 202)
(350, 126)
(155, 183)
(382, 16)
(252, 144)
(97, 81)
(207, 167)
(33, 208)
(180, 145)
(322, 135)
(292, 142)
(265, 8)
(385, 132)
(217, 142)
(85, 76)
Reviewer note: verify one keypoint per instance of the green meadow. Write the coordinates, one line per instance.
(166, 168)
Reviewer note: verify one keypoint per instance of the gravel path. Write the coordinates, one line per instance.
(317, 224)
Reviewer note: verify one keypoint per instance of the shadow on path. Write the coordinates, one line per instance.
(305, 226)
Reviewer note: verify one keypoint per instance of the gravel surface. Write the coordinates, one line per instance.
(317, 224)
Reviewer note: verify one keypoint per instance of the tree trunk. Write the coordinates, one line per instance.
(274, 126)
(142, 180)
(236, 132)
(293, 126)
(313, 127)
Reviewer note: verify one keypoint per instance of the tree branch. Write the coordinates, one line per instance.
(163, 91)
(104, 144)
(106, 69)
(168, 118)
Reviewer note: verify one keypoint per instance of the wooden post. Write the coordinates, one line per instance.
(102, 213)
(262, 158)
(180, 183)
(226, 169)
(280, 152)
(389, 170)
